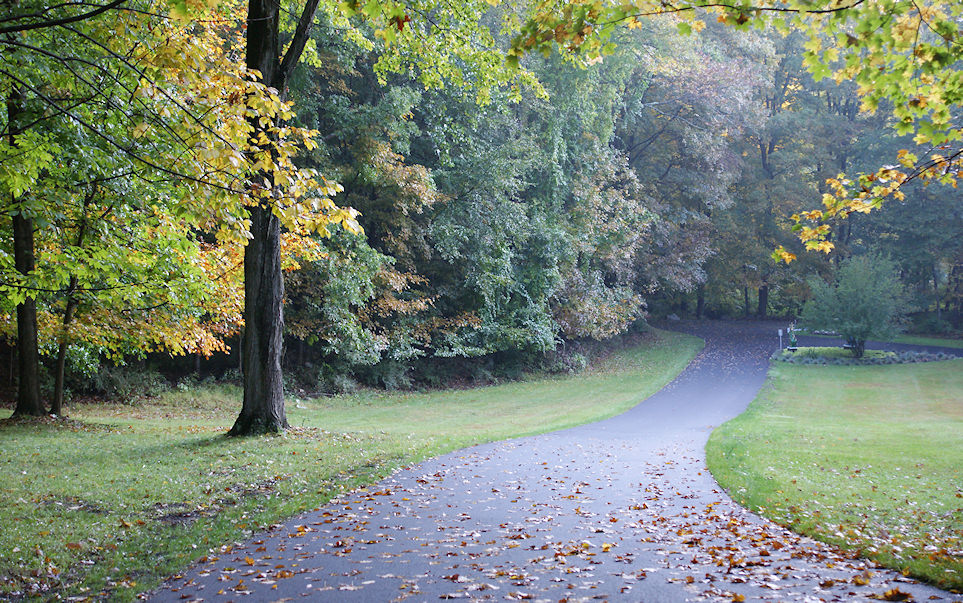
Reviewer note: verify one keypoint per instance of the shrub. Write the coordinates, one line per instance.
(390, 374)
(564, 362)
(338, 383)
(931, 325)
(127, 384)
(867, 300)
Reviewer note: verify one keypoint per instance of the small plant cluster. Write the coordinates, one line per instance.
(884, 358)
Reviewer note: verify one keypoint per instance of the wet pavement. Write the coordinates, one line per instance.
(623, 509)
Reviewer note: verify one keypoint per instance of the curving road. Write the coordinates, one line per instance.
(620, 510)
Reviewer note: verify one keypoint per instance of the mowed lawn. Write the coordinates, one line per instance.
(110, 502)
(867, 457)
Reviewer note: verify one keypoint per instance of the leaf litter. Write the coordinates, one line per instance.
(579, 515)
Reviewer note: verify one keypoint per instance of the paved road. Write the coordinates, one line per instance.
(619, 510)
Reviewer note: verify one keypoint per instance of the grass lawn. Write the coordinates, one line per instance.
(945, 342)
(110, 502)
(866, 457)
(921, 340)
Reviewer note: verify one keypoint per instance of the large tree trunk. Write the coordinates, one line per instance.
(263, 406)
(28, 356)
(763, 307)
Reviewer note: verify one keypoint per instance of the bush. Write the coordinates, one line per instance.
(338, 383)
(231, 375)
(389, 374)
(867, 300)
(128, 384)
(831, 357)
(931, 325)
(564, 362)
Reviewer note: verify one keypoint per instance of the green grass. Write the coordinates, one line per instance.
(115, 499)
(866, 457)
(937, 341)
(945, 342)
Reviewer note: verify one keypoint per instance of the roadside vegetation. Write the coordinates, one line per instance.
(867, 458)
(114, 499)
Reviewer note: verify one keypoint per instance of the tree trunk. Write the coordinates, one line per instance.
(263, 407)
(763, 307)
(745, 299)
(57, 404)
(700, 301)
(28, 356)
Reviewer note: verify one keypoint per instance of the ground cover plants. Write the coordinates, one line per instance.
(109, 502)
(868, 458)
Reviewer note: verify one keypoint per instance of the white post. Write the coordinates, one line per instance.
(780, 339)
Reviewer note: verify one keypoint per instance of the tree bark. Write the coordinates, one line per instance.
(745, 299)
(763, 307)
(700, 301)
(263, 408)
(28, 355)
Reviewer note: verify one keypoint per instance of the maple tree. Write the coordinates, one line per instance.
(88, 180)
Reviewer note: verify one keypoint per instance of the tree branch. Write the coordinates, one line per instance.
(296, 47)
(63, 21)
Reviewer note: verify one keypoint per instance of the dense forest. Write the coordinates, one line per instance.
(446, 218)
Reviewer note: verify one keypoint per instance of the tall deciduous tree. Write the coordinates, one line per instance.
(263, 406)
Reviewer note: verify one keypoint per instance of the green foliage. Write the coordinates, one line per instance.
(126, 384)
(326, 298)
(866, 301)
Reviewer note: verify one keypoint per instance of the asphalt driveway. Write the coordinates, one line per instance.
(620, 510)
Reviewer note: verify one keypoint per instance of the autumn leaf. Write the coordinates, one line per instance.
(893, 594)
